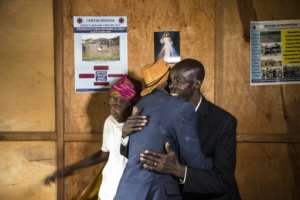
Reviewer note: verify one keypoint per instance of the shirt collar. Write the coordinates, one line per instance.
(199, 103)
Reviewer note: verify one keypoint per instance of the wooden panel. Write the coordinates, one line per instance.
(26, 66)
(27, 136)
(84, 137)
(241, 138)
(195, 19)
(265, 113)
(75, 151)
(273, 10)
(23, 166)
(259, 109)
(269, 138)
(59, 90)
(268, 171)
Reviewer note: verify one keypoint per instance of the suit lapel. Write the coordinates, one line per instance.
(204, 125)
(204, 108)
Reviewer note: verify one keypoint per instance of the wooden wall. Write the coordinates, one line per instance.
(23, 166)
(27, 66)
(268, 116)
(144, 18)
(214, 32)
(27, 102)
(84, 112)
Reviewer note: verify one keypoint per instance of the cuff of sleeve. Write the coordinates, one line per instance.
(182, 180)
(124, 141)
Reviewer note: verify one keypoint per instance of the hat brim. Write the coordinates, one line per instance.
(149, 89)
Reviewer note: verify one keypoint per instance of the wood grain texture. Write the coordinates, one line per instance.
(75, 151)
(195, 19)
(26, 66)
(59, 90)
(83, 137)
(211, 31)
(259, 109)
(23, 166)
(27, 136)
(268, 138)
(266, 114)
(241, 138)
(268, 171)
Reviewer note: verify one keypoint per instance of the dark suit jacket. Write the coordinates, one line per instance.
(218, 138)
(170, 120)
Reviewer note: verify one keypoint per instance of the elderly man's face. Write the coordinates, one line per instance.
(119, 108)
(182, 83)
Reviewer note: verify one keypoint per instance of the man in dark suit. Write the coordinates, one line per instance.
(173, 120)
(217, 134)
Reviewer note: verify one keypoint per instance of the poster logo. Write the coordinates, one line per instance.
(101, 76)
(79, 20)
(121, 20)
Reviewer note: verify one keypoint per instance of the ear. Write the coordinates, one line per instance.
(200, 84)
(197, 84)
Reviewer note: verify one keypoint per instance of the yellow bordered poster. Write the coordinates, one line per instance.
(275, 52)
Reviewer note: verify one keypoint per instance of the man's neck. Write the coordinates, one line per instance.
(195, 99)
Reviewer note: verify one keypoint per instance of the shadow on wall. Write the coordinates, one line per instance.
(290, 97)
(247, 14)
(97, 111)
(98, 108)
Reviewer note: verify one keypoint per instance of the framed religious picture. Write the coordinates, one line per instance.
(166, 46)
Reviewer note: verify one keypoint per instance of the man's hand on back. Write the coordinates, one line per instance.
(134, 123)
(163, 163)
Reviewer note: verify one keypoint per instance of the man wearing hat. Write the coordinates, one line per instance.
(171, 120)
(217, 134)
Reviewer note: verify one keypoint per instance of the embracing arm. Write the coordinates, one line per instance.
(189, 144)
(93, 159)
(217, 180)
(133, 124)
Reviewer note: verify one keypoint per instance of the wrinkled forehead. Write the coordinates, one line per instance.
(183, 74)
(117, 99)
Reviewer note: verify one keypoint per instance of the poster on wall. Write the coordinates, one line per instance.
(166, 46)
(100, 51)
(275, 52)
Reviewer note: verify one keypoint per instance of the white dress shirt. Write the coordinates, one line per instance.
(113, 170)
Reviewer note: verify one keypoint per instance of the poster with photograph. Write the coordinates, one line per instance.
(166, 45)
(275, 52)
(100, 51)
